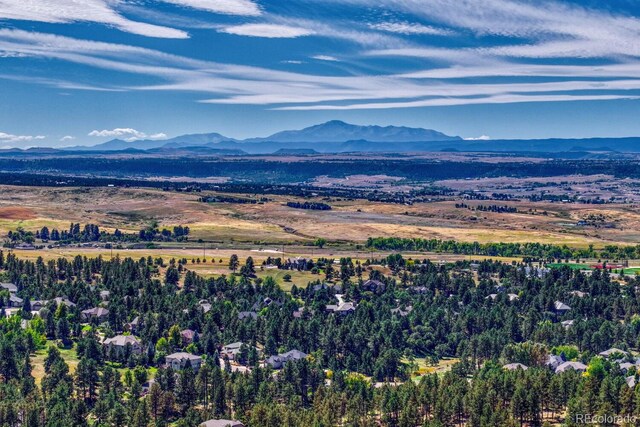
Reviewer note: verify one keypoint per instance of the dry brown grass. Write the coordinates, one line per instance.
(274, 223)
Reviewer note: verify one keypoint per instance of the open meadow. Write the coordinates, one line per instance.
(347, 224)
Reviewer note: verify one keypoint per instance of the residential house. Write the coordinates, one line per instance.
(98, 314)
(554, 361)
(117, 346)
(221, 423)
(15, 301)
(134, 325)
(38, 305)
(231, 350)
(205, 305)
(560, 307)
(578, 294)
(515, 367)
(280, 360)
(375, 286)
(10, 287)
(402, 312)
(576, 366)
(631, 381)
(567, 323)
(613, 352)
(247, 315)
(343, 308)
(181, 360)
(188, 336)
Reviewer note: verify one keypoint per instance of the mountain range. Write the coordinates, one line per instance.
(337, 136)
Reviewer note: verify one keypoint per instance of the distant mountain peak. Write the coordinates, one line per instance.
(339, 131)
(332, 131)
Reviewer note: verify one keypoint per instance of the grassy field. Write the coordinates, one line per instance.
(69, 355)
(426, 368)
(273, 223)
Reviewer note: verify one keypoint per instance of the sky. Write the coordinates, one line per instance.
(81, 72)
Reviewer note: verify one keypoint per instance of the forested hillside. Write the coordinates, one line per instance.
(359, 337)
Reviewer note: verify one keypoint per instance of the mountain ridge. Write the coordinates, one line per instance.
(336, 136)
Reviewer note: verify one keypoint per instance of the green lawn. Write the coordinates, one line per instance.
(573, 266)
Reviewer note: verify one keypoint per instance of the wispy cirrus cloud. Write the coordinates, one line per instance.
(93, 11)
(409, 28)
(328, 58)
(267, 31)
(244, 85)
(128, 134)
(226, 7)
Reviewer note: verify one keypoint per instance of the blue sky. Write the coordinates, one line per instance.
(85, 71)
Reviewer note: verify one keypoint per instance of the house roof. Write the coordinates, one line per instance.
(611, 352)
(10, 287)
(63, 300)
(293, 355)
(554, 361)
(122, 340)
(567, 323)
(631, 381)
(560, 306)
(96, 311)
(578, 294)
(344, 307)
(188, 333)
(233, 346)
(183, 356)
(515, 367)
(577, 366)
(373, 284)
(222, 423)
(245, 314)
(408, 309)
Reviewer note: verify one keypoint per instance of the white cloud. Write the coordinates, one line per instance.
(479, 138)
(66, 11)
(67, 138)
(10, 138)
(408, 28)
(267, 31)
(243, 85)
(128, 134)
(325, 58)
(226, 7)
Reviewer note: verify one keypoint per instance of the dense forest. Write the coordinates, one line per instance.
(532, 251)
(359, 362)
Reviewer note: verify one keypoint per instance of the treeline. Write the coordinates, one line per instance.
(231, 199)
(536, 251)
(283, 172)
(316, 206)
(92, 233)
(488, 208)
